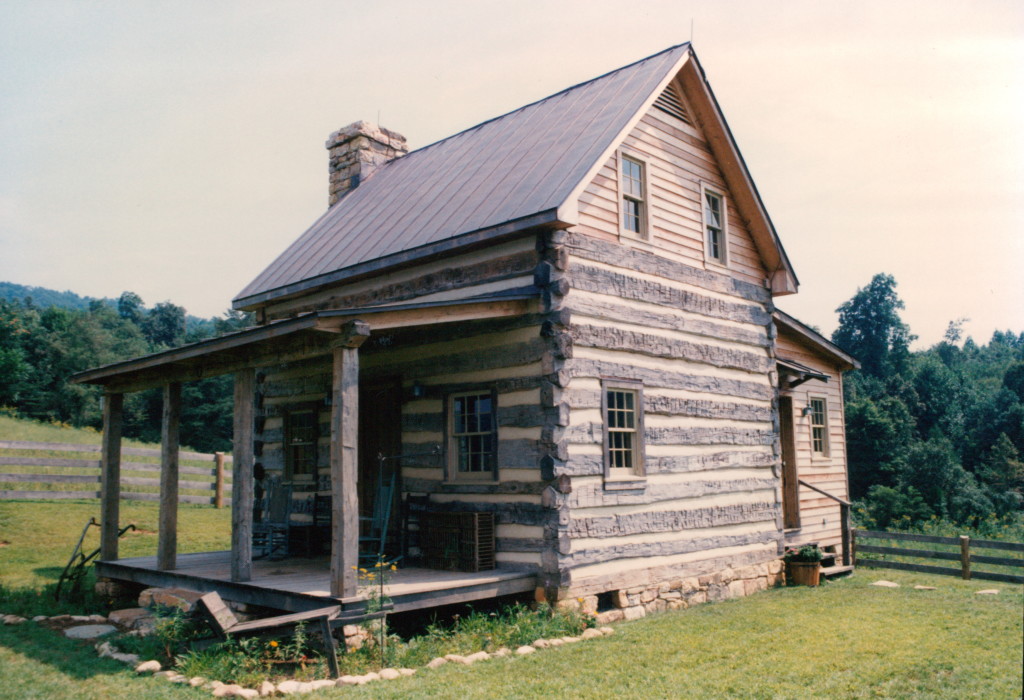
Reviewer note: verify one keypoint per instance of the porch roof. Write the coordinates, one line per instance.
(296, 338)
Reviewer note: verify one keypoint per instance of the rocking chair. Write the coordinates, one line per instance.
(374, 529)
(270, 533)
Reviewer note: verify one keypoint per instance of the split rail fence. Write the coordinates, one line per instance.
(963, 555)
(53, 470)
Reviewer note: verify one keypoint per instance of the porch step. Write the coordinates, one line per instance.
(836, 570)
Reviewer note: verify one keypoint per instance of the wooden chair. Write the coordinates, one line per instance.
(226, 625)
(270, 533)
(374, 529)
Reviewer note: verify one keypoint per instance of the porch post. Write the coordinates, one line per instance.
(242, 477)
(167, 535)
(344, 459)
(110, 476)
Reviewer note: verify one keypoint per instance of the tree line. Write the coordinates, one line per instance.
(40, 348)
(937, 432)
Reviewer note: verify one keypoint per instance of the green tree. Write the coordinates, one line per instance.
(871, 330)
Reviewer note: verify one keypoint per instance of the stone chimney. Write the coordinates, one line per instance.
(356, 151)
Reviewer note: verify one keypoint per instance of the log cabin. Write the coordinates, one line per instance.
(548, 345)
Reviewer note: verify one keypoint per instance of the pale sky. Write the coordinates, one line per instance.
(175, 148)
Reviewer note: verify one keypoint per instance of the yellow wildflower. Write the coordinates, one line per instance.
(273, 644)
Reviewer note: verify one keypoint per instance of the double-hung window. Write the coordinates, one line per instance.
(301, 432)
(714, 226)
(634, 196)
(819, 426)
(622, 406)
(472, 435)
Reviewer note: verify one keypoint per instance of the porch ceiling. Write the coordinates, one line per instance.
(298, 338)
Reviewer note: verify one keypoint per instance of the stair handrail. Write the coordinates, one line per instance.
(844, 519)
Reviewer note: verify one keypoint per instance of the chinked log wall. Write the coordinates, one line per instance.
(701, 344)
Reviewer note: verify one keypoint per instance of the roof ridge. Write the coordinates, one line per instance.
(537, 102)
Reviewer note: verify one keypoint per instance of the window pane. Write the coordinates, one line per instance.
(472, 432)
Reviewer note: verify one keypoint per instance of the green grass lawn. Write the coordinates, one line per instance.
(846, 639)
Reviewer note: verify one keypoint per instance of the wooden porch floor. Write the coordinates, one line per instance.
(304, 583)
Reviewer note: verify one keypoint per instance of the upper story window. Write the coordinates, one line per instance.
(301, 432)
(634, 196)
(715, 226)
(819, 427)
(622, 404)
(472, 435)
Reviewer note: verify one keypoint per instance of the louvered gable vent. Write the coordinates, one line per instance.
(670, 102)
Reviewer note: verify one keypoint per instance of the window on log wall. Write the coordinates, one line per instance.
(472, 435)
(622, 407)
(301, 432)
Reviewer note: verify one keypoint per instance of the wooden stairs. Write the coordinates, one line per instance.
(831, 566)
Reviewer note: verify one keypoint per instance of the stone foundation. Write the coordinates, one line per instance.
(676, 594)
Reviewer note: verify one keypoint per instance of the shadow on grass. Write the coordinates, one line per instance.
(73, 658)
(50, 572)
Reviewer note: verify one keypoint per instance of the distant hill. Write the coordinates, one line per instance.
(43, 298)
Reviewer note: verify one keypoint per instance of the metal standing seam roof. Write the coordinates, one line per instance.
(513, 167)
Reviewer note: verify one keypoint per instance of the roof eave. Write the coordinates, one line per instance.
(460, 243)
(845, 361)
(781, 276)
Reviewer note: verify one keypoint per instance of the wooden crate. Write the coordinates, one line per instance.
(458, 541)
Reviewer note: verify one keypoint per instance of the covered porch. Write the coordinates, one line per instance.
(301, 583)
(335, 337)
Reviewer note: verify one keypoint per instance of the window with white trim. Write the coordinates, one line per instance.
(622, 407)
(715, 226)
(633, 181)
(472, 435)
(819, 426)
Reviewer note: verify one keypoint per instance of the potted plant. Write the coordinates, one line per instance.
(803, 565)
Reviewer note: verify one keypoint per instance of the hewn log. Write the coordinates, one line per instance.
(653, 345)
(242, 487)
(592, 465)
(505, 488)
(519, 416)
(668, 379)
(677, 407)
(383, 341)
(624, 286)
(167, 530)
(644, 316)
(345, 459)
(446, 279)
(110, 479)
(671, 520)
(496, 358)
(633, 550)
(591, 248)
(595, 495)
(504, 513)
(591, 433)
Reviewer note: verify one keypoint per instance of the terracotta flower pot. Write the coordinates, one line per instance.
(803, 573)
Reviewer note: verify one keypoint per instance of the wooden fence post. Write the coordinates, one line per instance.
(965, 556)
(844, 516)
(218, 497)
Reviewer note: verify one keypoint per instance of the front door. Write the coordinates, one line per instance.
(790, 483)
(380, 433)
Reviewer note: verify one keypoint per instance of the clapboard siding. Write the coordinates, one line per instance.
(678, 160)
(819, 516)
